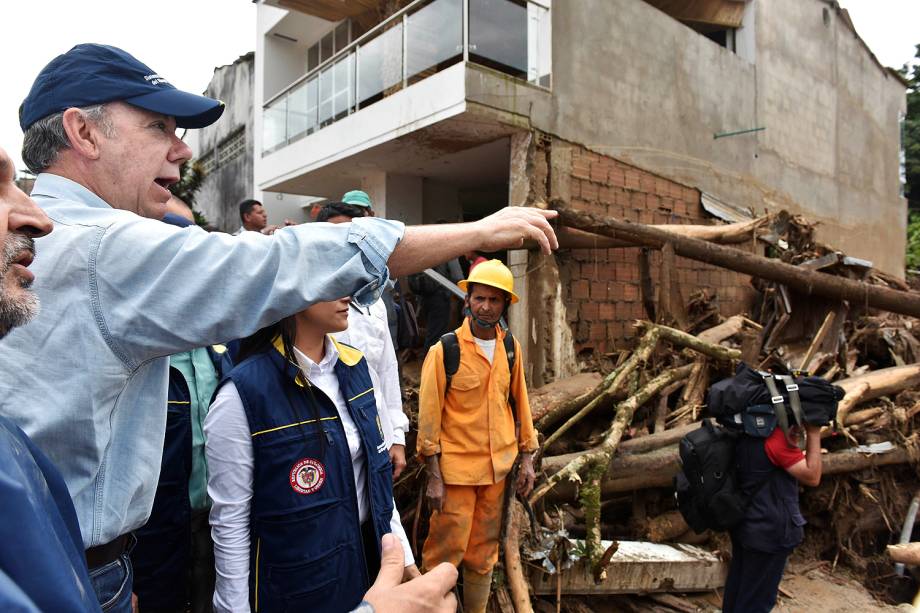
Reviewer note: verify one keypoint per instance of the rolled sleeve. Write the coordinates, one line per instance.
(431, 402)
(376, 243)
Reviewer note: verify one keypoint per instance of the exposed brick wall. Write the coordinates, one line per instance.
(602, 285)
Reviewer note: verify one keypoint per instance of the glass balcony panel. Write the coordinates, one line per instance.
(342, 84)
(539, 45)
(498, 35)
(380, 65)
(297, 111)
(274, 124)
(326, 94)
(312, 105)
(434, 35)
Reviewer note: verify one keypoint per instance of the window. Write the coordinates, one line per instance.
(717, 20)
(330, 44)
(229, 149)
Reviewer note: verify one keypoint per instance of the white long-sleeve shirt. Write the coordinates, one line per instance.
(230, 466)
(369, 332)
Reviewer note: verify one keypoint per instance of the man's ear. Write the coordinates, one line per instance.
(82, 134)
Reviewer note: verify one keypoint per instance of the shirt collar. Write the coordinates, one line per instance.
(55, 186)
(310, 368)
(465, 332)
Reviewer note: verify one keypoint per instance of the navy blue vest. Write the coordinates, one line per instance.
(162, 556)
(307, 548)
(773, 522)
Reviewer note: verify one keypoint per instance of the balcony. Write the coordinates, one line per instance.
(423, 39)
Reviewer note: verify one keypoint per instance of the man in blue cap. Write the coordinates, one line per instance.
(100, 133)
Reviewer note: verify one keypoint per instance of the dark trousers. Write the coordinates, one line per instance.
(753, 579)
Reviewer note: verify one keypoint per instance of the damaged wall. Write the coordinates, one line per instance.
(655, 94)
(599, 289)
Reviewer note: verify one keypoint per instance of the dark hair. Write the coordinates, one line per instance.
(262, 341)
(246, 207)
(334, 209)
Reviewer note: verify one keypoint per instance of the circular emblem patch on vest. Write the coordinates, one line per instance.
(307, 476)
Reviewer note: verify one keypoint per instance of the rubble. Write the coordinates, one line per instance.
(609, 439)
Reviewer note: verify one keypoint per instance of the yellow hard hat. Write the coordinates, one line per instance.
(492, 273)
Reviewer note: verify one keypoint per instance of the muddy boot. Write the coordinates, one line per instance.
(476, 589)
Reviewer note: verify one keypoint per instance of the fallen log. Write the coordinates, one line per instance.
(883, 382)
(604, 452)
(733, 233)
(728, 328)
(621, 377)
(657, 469)
(666, 527)
(546, 399)
(514, 569)
(682, 339)
(805, 281)
(908, 553)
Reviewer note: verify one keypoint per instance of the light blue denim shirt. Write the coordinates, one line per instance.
(87, 378)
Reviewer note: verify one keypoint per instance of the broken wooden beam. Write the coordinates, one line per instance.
(726, 234)
(908, 553)
(631, 472)
(805, 281)
(638, 567)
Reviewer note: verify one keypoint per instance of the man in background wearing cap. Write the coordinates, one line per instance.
(358, 198)
(473, 419)
(100, 132)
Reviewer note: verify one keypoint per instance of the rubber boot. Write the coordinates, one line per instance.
(476, 590)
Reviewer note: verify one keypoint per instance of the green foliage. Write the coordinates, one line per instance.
(912, 132)
(913, 241)
(191, 176)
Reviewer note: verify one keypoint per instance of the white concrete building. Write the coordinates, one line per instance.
(653, 110)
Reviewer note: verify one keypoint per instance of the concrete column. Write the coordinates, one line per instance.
(518, 192)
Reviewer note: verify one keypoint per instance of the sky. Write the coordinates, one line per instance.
(184, 40)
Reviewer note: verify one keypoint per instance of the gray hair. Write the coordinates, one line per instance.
(45, 138)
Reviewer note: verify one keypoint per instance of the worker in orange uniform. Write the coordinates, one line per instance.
(474, 418)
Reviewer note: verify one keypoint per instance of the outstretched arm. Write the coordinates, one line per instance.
(425, 246)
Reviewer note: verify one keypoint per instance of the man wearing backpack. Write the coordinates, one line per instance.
(769, 471)
(474, 419)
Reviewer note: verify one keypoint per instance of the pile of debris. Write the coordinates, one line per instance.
(609, 438)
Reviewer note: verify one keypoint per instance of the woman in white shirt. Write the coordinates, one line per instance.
(299, 474)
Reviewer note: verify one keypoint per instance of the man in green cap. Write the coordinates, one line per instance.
(359, 198)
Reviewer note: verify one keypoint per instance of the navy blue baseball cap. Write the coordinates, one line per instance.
(92, 74)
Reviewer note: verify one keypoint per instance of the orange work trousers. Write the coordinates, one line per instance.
(467, 529)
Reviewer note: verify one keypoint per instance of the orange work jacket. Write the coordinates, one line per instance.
(473, 427)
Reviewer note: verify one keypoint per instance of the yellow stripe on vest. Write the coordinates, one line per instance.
(299, 423)
(368, 391)
(178, 402)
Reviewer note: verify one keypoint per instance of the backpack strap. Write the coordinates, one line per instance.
(451, 348)
(512, 356)
(777, 400)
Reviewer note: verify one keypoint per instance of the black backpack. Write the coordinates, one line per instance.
(451, 349)
(706, 487)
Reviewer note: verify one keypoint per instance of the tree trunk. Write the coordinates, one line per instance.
(514, 569)
(603, 452)
(909, 553)
(633, 472)
(741, 232)
(689, 341)
(806, 282)
(639, 357)
(666, 527)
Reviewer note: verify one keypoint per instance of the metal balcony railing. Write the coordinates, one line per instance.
(427, 36)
